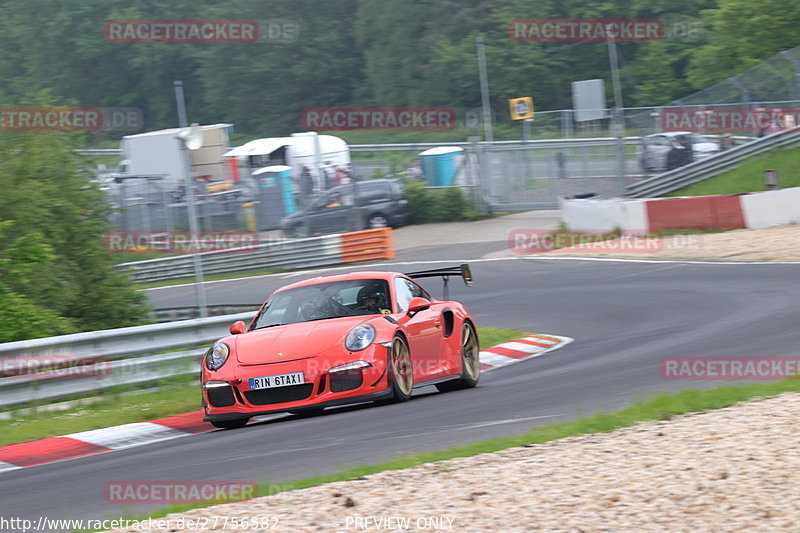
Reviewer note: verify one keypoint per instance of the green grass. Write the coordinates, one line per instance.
(493, 336)
(660, 407)
(749, 176)
(114, 408)
(179, 395)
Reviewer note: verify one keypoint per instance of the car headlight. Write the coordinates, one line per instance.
(359, 337)
(217, 355)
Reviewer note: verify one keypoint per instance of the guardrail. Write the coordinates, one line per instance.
(286, 254)
(88, 363)
(498, 145)
(711, 166)
(174, 314)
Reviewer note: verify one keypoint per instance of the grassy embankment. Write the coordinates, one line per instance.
(749, 176)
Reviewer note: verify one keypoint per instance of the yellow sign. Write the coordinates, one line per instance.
(521, 108)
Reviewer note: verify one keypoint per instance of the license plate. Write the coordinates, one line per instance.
(279, 380)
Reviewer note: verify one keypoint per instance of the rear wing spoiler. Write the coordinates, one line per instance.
(462, 270)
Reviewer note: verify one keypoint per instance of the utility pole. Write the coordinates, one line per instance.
(193, 229)
(485, 161)
(487, 110)
(617, 116)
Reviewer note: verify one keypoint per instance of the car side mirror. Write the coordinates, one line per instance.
(417, 304)
(238, 327)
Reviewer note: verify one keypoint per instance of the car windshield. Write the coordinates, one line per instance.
(326, 300)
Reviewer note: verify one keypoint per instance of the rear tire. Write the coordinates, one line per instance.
(402, 373)
(470, 362)
(230, 424)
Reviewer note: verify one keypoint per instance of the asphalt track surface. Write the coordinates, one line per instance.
(624, 316)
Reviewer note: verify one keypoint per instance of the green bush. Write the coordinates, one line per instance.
(436, 205)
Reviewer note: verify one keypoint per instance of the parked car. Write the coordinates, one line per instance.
(654, 153)
(336, 340)
(381, 202)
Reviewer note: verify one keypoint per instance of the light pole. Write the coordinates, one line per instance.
(191, 139)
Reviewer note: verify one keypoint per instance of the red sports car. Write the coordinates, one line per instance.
(334, 340)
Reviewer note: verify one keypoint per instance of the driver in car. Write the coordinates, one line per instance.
(371, 300)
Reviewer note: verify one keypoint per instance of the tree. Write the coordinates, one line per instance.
(51, 201)
(25, 262)
(741, 34)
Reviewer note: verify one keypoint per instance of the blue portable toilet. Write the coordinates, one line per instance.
(275, 195)
(440, 165)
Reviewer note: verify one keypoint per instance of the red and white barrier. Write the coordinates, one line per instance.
(720, 211)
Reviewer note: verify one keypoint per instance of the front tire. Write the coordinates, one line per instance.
(377, 221)
(470, 362)
(230, 424)
(402, 371)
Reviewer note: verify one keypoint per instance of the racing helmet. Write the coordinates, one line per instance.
(374, 291)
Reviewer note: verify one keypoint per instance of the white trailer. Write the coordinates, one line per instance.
(317, 152)
(159, 153)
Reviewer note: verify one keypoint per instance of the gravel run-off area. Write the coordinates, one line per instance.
(735, 469)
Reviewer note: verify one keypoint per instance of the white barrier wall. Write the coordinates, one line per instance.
(605, 214)
(771, 208)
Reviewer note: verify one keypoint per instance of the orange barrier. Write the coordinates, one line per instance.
(367, 245)
(699, 212)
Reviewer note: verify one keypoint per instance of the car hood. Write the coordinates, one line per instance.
(294, 341)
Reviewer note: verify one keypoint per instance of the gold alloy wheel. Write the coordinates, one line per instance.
(401, 366)
(470, 352)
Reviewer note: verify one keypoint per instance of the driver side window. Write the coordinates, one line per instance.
(405, 290)
(403, 294)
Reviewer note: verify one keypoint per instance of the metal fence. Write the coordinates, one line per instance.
(506, 175)
(707, 168)
(514, 175)
(146, 204)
